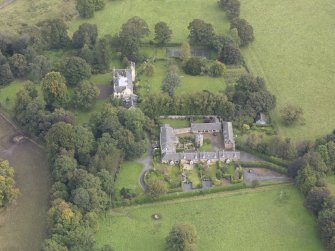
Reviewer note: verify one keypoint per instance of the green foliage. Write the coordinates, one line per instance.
(182, 237)
(185, 51)
(39, 67)
(306, 179)
(201, 33)
(245, 31)
(60, 137)
(217, 69)
(54, 90)
(85, 8)
(316, 198)
(86, 34)
(231, 7)
(251, 97)
(19, 65)
(189, 104)
(162, 33)
(231, 55)
(291, 114)
(130, 36)
(54, 32)
(326, 223)
(156, 188)
(6, 75)
(171, 81)
(85, 95)
(149, 69)
(102, 56)
(195, 66)
(8, 191)
(75, 69)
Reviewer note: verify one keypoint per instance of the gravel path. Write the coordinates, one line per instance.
(268, 176)
(147, 162)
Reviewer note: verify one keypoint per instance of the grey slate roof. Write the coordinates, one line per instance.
(195, 156)
(228, 134)
(122, 78)
(206, 127)
(168, 139)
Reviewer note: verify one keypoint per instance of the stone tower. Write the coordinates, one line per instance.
(133, 71)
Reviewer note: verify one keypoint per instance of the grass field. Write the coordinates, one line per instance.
(189, 84)
(128, 177)
(252, 221)
(177, 14)
(23, 225)
(21, 13)
(294, 51)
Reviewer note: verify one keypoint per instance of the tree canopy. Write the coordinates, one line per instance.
(201, 33)
(182, 237)
(8, 191)
(54, 90)
(75, 69)
(162, 33)
(130, 36)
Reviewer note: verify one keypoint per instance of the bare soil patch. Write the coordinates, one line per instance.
(105, 91)
(23, 225)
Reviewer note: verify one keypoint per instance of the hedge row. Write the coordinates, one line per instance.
(272, 159)
(268, 165)
(178, 195)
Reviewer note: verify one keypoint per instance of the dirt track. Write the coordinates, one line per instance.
(23, 225)
(5, 3)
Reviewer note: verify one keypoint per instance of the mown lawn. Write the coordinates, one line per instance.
(236, 221)
(189, 84)
(294, 52)
(128, 177)
(8, 94)
(177, 14)
(176, 123)
(83, 117)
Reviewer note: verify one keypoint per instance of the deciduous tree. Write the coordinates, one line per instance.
(75, 69)
(182, 237)
(162, 33)
(201, 33)
(54, 90)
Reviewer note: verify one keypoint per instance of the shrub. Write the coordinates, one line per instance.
(194, 66)
(217, 69)
(291, 114)
(316, 198)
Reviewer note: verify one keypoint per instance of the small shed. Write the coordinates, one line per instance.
(261, 119)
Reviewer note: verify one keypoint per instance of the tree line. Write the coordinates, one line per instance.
(240, 104)
(314, 163)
